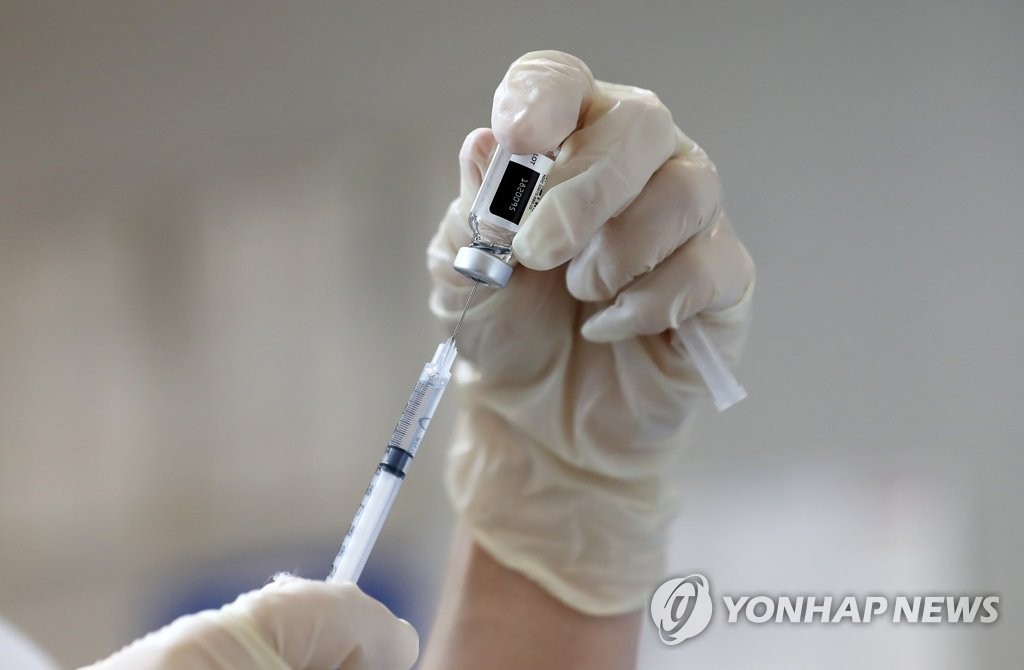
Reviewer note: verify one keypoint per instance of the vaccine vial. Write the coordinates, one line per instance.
(511, 189)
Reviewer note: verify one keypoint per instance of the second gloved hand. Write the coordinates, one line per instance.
(577, 396)
(291, 624)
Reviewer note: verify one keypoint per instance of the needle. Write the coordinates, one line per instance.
(464, 310)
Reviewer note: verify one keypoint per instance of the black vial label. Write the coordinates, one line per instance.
(513, 193)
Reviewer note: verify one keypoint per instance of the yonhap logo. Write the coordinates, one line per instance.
(681, 608)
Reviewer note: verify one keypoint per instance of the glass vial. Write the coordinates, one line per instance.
(511, 189)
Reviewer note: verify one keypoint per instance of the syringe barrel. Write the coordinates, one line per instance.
(366, 526)
(383, 488)
(413, 423)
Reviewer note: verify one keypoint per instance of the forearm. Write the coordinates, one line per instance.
(490, 616)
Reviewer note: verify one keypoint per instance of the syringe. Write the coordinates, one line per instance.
(380, 495)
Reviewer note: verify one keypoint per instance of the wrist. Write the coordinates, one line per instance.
(492, 616)
(594, 542)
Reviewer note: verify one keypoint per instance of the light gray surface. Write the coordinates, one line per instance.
(204, 207)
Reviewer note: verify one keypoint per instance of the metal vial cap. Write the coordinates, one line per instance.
(483, 267)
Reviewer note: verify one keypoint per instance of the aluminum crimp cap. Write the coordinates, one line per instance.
(483, 266)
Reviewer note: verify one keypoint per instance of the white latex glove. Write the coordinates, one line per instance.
(576, 396)
(17, 651)
(290, 624)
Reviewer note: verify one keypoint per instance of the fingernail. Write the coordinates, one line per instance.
(609, 325)
(510, 108)
(525, 250)
(541, 245)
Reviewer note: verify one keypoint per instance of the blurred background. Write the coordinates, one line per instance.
(213, 300)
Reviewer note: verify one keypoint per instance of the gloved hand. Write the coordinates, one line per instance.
(576, 396)
(290, 624)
